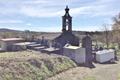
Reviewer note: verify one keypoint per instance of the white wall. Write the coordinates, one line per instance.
(104, 56)
(78, 55)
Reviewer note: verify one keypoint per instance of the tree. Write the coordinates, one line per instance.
(116, 29)
(106, 34)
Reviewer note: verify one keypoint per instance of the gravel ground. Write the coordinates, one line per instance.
(101, 72)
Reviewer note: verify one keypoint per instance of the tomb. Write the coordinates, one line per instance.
(75, 53)
(6, 44)
(20, 46)
(105, 55)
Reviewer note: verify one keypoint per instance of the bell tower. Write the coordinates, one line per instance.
(67, 21)
(67, 36)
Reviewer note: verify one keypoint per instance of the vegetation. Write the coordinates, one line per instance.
(31, 65)
(119, 76)
(116, 29)
(89, 78)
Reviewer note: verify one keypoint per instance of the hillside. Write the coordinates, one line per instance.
(8, 30)
(6, 33)
(31, 65)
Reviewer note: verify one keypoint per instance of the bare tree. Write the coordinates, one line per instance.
(116, 29)
(106, 34)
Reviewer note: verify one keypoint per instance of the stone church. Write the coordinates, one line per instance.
(67, 36)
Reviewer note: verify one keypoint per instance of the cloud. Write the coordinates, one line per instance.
(54, 8)
(28, 24)
(10, 21)
(40, 12)
(87, 28)
(36, 2)
(97, 8)
(32, 10)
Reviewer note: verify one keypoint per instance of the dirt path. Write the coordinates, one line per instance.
(101, 72)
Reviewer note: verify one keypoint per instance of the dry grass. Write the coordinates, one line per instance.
(31, 65)
(101, 72)
(89, 78)
(118, 76)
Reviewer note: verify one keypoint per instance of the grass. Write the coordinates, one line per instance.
(89, 78)
(118, 52)
(118, 78)
(31, 65)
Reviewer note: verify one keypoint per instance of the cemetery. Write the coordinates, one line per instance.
(60, 40)
(66, 44)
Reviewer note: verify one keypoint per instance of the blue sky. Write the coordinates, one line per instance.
(45, 15)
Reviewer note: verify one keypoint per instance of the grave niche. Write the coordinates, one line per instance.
(67, 36)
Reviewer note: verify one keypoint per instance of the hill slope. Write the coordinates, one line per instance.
(31, 65)
(8, 30)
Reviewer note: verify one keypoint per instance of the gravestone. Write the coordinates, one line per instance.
(87, 44)
(44, 42)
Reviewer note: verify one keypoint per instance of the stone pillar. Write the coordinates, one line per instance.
(87, 44)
